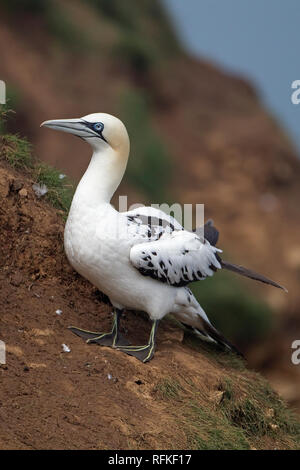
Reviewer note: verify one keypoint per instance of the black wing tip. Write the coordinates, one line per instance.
(251, 274)
(283, 288)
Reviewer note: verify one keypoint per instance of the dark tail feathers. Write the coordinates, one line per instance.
(251, 274)
(219, 338)
(211, 334)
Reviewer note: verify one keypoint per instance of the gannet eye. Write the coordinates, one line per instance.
(98, 126)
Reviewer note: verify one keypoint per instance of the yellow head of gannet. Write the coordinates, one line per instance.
(109, 139)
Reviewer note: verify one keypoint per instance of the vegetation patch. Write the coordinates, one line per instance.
(17, 151)
(254, 407)
(60, 189)
(145, 34)
(55, 17)
(168, 388)
(208, 431)
(245, 414)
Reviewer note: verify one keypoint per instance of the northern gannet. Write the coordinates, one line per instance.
(142, 259)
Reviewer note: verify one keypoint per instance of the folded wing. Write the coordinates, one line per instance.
(176, 258)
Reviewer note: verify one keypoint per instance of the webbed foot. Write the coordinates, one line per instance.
(142, 353)
(112, 339)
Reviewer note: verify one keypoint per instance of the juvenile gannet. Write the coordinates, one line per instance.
(142, 259)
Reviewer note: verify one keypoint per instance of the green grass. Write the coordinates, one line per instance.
(60, 191)
(144, 18)
(56, 19)
(168, 388)
(256, 409)
(237, 421)
(248, 410)
(268, 399)
(17, 151)
(144, 37)
(207, 431)
(144, 30)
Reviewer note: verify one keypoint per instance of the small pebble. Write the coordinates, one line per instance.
(23, 192)
(58, 311)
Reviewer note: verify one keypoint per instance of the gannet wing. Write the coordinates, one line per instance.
(176, 258)
(150, 223)
(153, 222)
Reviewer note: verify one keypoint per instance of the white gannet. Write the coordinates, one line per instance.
(142, 259)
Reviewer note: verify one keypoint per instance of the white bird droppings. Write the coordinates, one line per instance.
(58, 311)
(66, 348)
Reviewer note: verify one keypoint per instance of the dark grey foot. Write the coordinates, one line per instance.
(87, 335)
(104, 339)
(109, 339)
(112, 339)
(142, 353)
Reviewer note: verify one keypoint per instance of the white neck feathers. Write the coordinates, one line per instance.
(102, 177)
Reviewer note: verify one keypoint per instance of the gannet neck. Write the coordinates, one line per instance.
(103, 176)
(109, 139)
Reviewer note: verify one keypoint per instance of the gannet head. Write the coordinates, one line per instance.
(100, 130)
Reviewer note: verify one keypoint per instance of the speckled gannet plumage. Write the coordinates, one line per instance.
(142, 259)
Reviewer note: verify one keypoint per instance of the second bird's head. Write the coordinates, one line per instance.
(102, 131)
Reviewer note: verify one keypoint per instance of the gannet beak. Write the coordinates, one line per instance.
(77, 127)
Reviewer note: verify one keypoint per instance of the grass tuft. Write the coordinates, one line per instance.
(258, 410)
(208, 431)
(60, 191)
(16, 151)
(168, 388)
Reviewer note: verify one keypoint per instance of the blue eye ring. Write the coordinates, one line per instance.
(98, 126)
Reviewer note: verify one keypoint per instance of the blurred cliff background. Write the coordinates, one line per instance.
(199, 134)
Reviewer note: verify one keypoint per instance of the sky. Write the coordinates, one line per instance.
(257, 39)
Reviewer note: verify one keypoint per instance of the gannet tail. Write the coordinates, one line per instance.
(214, 335)
(207, 332)
(249, 273)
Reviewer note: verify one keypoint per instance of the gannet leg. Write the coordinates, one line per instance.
(113, 338)
(143, 353)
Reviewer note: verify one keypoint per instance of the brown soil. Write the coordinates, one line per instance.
(228, 153)
(92, 397)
